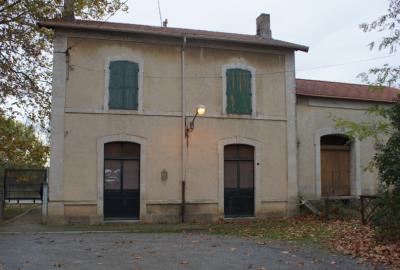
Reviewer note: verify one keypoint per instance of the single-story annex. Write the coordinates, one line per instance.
(163, 124)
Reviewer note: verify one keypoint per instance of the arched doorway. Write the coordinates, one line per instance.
(121, 180)
(238, 180)
(335, 165)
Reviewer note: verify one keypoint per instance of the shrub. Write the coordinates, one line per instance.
(386, 218)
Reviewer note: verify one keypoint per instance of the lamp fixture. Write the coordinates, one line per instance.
(200, 110)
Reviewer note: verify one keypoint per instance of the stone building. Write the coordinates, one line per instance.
(130, 139)
(329, 164)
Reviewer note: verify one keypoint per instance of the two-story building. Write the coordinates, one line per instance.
(127, 143)
(123, 96)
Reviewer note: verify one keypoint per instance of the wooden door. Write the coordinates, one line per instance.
(335, 170)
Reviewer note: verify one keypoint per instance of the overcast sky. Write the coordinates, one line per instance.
(329, 27)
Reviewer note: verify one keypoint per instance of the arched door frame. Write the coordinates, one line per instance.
(100, 169)
(355, 185)
(257, 161)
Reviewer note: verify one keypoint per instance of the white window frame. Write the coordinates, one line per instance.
(108, 61)
(253, 87)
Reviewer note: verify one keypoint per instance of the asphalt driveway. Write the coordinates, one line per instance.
(102, 250)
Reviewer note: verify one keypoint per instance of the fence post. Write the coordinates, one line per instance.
(327, 208)
(45, 201)
(45, 197)
(363, 221)
(1, 202)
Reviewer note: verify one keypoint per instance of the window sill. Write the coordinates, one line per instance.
(176, 114)
(245, 116)
(123, 111)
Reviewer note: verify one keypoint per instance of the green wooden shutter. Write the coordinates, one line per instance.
(116, 85)
(230, 96)
(238, 92)
(131, 85)
(123, 85)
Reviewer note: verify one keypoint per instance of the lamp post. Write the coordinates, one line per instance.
(200, 110)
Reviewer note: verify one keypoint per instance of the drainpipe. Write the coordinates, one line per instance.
(183, 126)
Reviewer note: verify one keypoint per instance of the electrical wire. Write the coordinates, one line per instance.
(352, 62)
(100, 24)
(257, 74)
(159, 12)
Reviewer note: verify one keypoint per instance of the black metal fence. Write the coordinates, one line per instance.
(1, 201)
(24, 184)
(368, 208)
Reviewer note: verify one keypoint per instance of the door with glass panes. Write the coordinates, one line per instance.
(121, 180)
(238, 180)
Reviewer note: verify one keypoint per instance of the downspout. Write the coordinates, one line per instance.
(183, 127)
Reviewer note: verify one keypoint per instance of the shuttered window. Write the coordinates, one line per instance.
(238, 91)
(123, 86)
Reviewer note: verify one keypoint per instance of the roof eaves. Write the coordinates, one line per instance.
(344, 97)
(201, 36)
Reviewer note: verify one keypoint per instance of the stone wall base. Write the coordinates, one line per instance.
(61, 214)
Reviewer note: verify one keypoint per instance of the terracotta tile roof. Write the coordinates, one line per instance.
(170, 31)
(344, 91)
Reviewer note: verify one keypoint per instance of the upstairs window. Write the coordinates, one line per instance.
(238, 91)
(123, 85)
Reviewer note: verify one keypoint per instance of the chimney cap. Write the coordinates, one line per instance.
(165, 23)
(68, 12)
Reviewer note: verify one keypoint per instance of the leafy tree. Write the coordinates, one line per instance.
(26, 52)
(19, 145)
(385, 126)
(387, 217)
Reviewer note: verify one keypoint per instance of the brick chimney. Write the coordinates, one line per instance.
(68, 11)
(264, 26)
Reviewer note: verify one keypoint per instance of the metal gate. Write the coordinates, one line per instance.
(239, 180)
(121, 180)
(24, 184)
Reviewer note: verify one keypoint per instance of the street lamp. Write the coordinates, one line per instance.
(200, 110)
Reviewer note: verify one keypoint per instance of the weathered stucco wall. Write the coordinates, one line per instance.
(314, 114)
(159, 124)
(162, 76)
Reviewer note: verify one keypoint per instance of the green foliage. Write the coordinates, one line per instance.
(390, 23)
(19, 146)
(384, 126)
(26, 52)
(387, 217)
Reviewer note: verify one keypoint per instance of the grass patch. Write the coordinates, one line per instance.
(13, 210)
(338, 209)
(305, 229)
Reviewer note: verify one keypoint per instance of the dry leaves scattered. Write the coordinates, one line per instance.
(352, 238)
(346, 236)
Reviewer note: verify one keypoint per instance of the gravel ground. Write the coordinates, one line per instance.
(159, 251)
